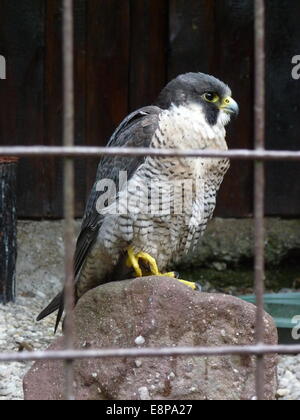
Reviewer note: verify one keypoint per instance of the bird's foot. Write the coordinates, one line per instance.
(174, 275)
(190, 284)
(133, 261)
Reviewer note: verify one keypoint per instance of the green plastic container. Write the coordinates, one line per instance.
(283, 307)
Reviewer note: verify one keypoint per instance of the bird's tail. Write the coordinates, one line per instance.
(56, 304)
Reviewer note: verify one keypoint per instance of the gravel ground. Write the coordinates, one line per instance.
(18, 329)
(289, 378)
(40, 271)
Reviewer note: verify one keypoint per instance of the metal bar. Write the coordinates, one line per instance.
(259, 189)
(68, 141)
(150, 352)
(90, 152)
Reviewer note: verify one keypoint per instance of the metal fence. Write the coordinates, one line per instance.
(69, 152)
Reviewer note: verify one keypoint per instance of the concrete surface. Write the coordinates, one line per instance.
(227, 243)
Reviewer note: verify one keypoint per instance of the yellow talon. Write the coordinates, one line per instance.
(189, 284)
(171, 274)
(133, 261)
(151, 261)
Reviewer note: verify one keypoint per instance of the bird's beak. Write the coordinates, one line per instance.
(230, 106)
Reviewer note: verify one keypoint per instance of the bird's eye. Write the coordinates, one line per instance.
(211, 97)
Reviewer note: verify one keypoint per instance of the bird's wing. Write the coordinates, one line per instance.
(136, 130)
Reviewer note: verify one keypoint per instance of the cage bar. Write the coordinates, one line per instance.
(150, 352)
(259, 188)
(68, 191)
(92, 152)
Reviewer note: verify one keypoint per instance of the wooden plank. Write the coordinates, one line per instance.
(107, 71)
(8, 229)
(216, 37)
(204, 35)
(80, 24)
(54, 105)
(283, 92)
(191, 36)
(233, 63)
(21, 94)
(148, 50)
(52, 200)
(33, 108)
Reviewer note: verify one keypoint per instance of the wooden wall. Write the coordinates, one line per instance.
(126, 50)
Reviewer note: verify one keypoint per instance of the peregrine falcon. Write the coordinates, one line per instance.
(145, 213)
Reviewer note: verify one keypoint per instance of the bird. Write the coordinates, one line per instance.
(145, 213)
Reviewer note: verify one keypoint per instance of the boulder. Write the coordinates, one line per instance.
(156, 312)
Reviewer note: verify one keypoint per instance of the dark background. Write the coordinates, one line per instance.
(126, 50)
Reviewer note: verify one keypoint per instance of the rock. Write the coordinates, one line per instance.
(139, 341)
(282, 392)
(163, 312)
(40, 252)
(230, 242)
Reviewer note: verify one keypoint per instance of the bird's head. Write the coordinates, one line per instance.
(211, 94)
